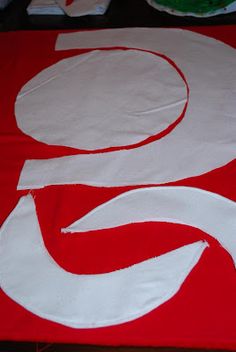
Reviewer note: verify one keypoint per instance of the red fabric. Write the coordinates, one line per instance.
(201, 314)
(69, 2)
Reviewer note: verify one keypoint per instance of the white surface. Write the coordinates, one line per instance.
(84, 7)
(44, 7)
(77, 8)
(101, 99)
(204, 210)
(203, 141)
(29, 276)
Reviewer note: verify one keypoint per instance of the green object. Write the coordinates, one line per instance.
(194, 6)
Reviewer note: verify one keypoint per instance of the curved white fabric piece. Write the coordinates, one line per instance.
(31, 278)
(202, 141)
(209, 212)
(95, 100)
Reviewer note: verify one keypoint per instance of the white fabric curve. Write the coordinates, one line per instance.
(204, 140)
(29, 276)
(207, 211)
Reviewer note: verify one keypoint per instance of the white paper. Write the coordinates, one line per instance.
(84, 7)
(44, 7)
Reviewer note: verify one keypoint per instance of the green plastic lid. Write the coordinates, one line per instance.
(195, 6)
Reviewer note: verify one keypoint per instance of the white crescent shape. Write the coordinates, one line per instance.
(207, 211)
(30, 277)
(204, 140)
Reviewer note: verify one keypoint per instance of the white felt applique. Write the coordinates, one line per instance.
(202, 141)
(207, 211)
(29, 276)
(96, 100)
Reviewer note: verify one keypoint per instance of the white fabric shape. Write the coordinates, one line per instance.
(101, 99)
(204, 140)
(207, 211)
(31, 278)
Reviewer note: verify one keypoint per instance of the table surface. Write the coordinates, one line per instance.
(121, 13)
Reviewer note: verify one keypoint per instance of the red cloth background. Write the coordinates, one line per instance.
(201, 314)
